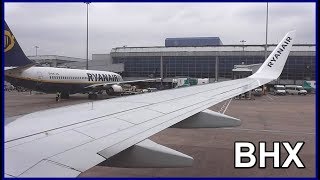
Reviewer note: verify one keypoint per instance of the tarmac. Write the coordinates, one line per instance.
(267, 118)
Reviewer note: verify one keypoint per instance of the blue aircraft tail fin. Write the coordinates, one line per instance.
(14, 56)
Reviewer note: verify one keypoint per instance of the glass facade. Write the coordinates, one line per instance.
(296, 68)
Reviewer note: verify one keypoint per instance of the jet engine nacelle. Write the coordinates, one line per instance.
(114, 89)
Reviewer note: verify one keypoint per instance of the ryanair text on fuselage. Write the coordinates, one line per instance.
(102, 77)
(278, 53)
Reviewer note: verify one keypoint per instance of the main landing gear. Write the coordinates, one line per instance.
(92, 96)
(62, 95)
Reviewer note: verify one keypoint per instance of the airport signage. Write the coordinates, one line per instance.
(245, 154)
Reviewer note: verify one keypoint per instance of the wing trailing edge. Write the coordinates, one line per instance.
(208, 119)
(148, 154)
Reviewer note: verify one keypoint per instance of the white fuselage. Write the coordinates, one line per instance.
(49, 78)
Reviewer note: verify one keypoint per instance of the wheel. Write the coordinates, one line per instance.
(64, 95)
(92, 96)
(110, 91)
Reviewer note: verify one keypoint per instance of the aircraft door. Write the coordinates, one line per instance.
(39, 82)
(39, 75)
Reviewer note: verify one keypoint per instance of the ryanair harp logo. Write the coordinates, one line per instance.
(8, 41)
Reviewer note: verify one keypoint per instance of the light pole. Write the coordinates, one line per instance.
(87, 34)
(243, 41)
(266, 46)
(36, 50)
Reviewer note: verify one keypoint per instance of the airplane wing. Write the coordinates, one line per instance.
(65, 141)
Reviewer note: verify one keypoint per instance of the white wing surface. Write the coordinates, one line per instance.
(66, 141)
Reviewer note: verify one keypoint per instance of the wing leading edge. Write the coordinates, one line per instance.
(69, 140)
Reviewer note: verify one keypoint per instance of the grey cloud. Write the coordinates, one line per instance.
(60, 28)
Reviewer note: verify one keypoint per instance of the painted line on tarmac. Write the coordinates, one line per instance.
(266, 100)
(222, 107)
(269, 130)
(270, 97)
(274, 96)
(227, 105)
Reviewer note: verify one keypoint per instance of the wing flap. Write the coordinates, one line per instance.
(148, 154)
(53, 119)
(103, 127)
(22, 157)
(208, 119)
(47, 168)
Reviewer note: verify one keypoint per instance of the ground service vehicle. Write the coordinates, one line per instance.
(295, 89)
(279, 90)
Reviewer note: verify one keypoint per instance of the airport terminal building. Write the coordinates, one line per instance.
(214, 62)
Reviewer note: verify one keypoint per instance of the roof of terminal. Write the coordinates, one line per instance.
(56, 57)
(296, 47)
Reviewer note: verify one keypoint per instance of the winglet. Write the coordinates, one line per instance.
(273, 65)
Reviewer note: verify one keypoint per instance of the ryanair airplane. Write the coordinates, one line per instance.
(20, 71)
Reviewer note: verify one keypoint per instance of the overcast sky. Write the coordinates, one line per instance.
(60, 28)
